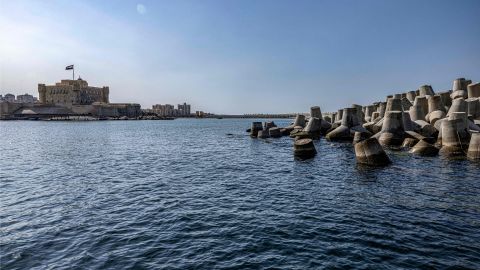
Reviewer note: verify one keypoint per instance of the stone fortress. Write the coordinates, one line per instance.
(70, 99)
(70, 92)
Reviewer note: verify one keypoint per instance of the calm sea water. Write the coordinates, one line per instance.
(183, 194)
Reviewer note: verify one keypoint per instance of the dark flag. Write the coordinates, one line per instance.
(69, 67)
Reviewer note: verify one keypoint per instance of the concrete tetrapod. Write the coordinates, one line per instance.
(334, 118)
(408, 124)
(392, 133)
(394, 104)
(453, 138)
(411, 96)
(339, 117)
(446, 99)
(369, 111)
(315, 112)
(459, 94)
(304, 148)
(473, 90)
(360, 113)
(423, 148)
(473, 152)
(381, 109)
(313, 128)
(416, 112)
(360, 136)
(409, 142)
(299, 121)
(263, 134)
(422, 102)
(460, 84)
(436, 109)
(370, 152)
(473, 107)
(350, 124)
(458, 105)
(461, 125)
(275, 132)
(406, 104)
(426, 90)
(324, 125)
(256, 127)
(268, 125)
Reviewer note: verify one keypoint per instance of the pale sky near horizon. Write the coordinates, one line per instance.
(241, 56)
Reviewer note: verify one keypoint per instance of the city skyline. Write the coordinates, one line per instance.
(241, 56)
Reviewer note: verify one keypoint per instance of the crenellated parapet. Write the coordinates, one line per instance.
(72, 92)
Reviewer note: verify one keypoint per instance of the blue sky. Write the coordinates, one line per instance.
(246, 56)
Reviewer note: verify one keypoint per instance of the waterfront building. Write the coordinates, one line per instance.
(64, 99)
(72, 92)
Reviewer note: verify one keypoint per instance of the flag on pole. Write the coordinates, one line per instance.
(69, 67)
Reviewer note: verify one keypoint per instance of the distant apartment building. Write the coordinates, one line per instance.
(184, 109)
(163, 110)
(168, 110)
(9, 98)
(26, 98)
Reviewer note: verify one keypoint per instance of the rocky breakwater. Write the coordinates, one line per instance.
(422, 122)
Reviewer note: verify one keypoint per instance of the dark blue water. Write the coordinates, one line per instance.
(183, 194)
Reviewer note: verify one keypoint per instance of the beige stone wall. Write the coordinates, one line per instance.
(7, 108)
(72, 92)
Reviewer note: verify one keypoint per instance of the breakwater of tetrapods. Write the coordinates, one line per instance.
(422, 122)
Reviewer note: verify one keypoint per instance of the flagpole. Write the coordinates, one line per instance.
(73, 69)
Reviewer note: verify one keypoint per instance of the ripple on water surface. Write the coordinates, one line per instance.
(182, 194)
